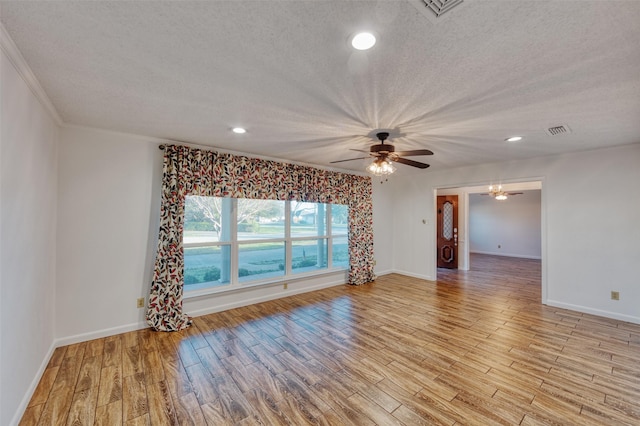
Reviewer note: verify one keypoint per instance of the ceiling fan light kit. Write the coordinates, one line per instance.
(381, 167)
(499, 194)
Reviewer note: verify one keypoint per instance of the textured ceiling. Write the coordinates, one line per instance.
(459, 85)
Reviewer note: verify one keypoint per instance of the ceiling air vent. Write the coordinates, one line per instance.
(435, 10)
(439, 7)
(562, 129)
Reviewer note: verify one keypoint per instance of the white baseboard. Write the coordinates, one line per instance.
(522, 256)
(32, 387)
(593, 311)
(266, 298)
(411, 274)
(83, 337)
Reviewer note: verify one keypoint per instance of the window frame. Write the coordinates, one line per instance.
(204, 288)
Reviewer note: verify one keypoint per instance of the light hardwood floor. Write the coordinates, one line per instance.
(474, 347)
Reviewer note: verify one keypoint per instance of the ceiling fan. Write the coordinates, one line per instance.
(385, 153)
(498, 193)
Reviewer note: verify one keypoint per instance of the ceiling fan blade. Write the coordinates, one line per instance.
(348, 159)
(410, 163)
(514, 193)
(359, 150)
(414, 152)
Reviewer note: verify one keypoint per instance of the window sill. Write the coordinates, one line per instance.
(227, 288)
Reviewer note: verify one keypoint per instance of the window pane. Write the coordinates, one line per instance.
(339, 219)
(206, 266)
(447, 221)
(260, 219)
(340, 252)
(260, 260)
(207, 219)
(308, 255)
(308, 219)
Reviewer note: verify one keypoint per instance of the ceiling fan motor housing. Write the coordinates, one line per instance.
(382, 148)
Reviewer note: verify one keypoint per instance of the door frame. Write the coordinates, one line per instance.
(463, 190)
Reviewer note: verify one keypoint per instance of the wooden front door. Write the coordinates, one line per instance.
(447, 208)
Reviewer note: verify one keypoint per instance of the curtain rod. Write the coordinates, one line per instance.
(190, 145)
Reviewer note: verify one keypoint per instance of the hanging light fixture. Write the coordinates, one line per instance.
(381, 167)
(497, 193)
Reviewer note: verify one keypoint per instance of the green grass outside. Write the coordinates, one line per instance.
(337, 255)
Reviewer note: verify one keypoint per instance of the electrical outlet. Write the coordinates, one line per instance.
(140, 302)
(285, 286)
(615, 295)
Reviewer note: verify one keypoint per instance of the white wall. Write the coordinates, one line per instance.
(28, 177)
(589, 199)
(107, 220)
(507, 228)
(108, 206)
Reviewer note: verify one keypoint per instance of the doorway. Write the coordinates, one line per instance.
(464, 245)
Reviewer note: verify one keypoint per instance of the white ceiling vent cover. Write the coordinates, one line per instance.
(438, 7)
(561, 129)
(435, 9)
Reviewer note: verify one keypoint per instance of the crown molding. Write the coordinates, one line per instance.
(9, 47)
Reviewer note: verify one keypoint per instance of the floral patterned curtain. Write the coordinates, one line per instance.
(188, 171)
(185, 172)
(243, 177)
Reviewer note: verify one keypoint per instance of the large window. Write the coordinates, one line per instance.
(231, 241)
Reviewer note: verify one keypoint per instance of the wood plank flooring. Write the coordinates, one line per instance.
(474, 347)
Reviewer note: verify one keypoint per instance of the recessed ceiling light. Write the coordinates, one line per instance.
(514, 139)
(239, 130)
(363, 41)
